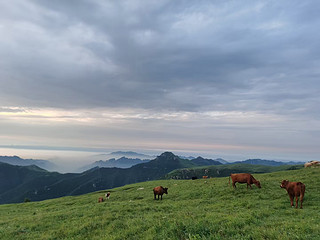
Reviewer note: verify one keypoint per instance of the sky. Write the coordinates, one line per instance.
(232, 79)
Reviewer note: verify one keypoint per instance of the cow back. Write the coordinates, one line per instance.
(158, 190)
(241, 177)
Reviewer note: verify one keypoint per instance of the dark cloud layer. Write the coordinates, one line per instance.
(178, 55)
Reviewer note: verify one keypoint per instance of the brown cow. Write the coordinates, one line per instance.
(100, 199)
(244, 178)
(294, 189)
(204, 177)
(159, 191)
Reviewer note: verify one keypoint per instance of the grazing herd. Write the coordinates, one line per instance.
(101, 199)
(295, 190)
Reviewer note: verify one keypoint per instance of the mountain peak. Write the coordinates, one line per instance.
(167, 155)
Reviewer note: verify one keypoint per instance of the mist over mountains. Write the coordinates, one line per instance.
(122, 162)
(15, 160)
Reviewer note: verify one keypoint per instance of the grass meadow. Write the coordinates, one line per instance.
(193, 209)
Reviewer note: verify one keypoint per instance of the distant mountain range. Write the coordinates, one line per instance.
(122, 162)
(125, 162)
(15, 160)
(127, 159)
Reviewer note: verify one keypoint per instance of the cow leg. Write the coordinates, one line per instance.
(301, 200)
(297, 199)
(291, 200)
(161, 196)
(154, 196)
(233, 184)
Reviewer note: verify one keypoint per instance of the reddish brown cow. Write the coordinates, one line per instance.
(100, 199)
(294, 189)
(244, 178)
(159, 191)
(204, 177)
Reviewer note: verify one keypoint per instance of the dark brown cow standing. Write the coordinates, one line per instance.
(244, 178)
(100, 199)
(294, 189)
(159, 191)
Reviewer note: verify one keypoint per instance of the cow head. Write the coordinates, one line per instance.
(257, 183)
(284, 183)
(165, 190)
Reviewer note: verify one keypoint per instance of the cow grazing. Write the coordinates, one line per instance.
(244, 178)
(107, 195)
(194, 178)
(100, 199)
(308, 164)
(311, 163)
(295, 190)
(204, 177)
(159, 191)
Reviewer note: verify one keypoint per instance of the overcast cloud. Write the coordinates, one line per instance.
(212, 76)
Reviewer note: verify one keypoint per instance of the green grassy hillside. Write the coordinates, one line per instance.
(199, 209)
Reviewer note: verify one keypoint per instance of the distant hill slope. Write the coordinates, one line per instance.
(200, 161)
(15, 160)
(221, 160)
(122, 162)
(18, 183)
(201, 209)
(267, 162)
(226, 169)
